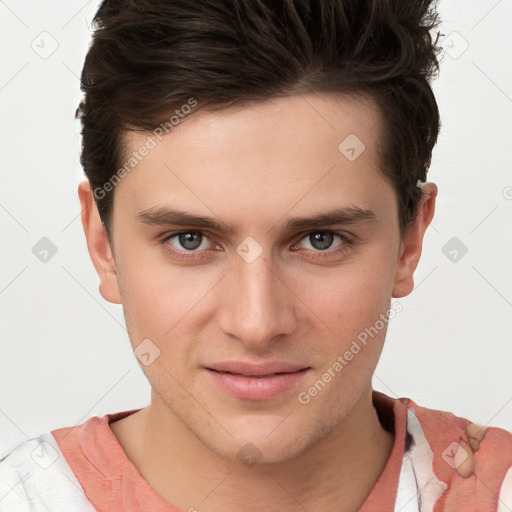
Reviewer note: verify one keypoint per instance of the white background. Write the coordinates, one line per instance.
(65, 354)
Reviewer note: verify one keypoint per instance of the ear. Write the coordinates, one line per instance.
(98, 245)
(412, 242)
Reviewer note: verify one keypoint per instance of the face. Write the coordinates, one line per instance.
(253, 251)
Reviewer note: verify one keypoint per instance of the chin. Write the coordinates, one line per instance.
(257, 448)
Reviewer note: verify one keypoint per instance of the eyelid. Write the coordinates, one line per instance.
(345, 237)
(297, 236)
(347, 241)
(168, 236)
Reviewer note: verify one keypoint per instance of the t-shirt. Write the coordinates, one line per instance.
(438, 463)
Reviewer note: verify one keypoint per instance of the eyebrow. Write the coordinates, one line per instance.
(160, 216)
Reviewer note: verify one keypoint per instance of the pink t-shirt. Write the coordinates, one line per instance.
(438, 463)
(112, 483)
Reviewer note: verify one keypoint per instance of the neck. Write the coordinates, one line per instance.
(336, 474)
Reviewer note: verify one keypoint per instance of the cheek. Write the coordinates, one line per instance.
(163, 301)
(351, 296)
(160, 300)
(158, 306)
(355, 306)
(363, 299)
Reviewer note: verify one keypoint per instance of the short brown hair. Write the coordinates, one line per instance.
(149, 57)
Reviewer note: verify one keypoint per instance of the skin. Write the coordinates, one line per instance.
(255, 168)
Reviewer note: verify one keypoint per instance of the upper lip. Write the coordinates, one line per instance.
(253, 369)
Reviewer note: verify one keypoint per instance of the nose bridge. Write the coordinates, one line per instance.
(258, 306)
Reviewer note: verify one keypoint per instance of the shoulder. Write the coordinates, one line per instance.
(35, 477)
(459, 462)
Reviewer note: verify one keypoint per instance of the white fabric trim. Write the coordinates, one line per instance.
(407, 494)
(35, 477)
(430, 488)
(505, 496)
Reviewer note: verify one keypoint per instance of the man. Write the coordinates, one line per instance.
(256, 196)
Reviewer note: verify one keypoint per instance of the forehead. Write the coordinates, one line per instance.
(297, 150)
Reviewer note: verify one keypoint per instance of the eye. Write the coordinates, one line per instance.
(188, 241)
(322, 240)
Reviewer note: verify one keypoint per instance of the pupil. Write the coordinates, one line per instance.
(190, 240)
(321, 240)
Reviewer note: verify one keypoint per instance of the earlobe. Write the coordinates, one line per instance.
(412, 242)
(98, 245)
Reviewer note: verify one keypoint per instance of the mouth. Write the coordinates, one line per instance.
(256, 370)
(257, 376)
(256, 382)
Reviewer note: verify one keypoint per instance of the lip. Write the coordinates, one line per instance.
(249, 381)
(255, 370)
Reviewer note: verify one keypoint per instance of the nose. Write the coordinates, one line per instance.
(258, 307)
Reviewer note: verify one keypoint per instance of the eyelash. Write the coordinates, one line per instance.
(343, 247)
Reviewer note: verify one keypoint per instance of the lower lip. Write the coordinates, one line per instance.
(256, 388)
